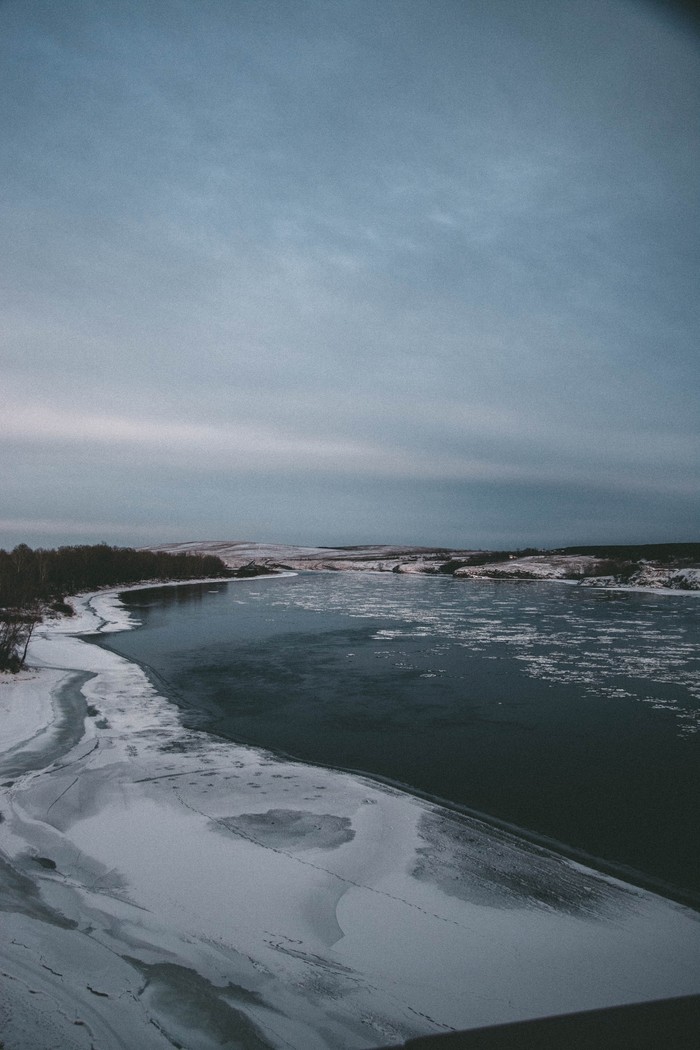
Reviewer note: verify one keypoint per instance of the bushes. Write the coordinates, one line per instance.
(620, 568)
(16, 628)
(668, 554)
(485, 558)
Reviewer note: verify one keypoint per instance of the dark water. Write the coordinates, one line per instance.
(572, 713)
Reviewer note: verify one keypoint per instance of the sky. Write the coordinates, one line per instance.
(349, 271)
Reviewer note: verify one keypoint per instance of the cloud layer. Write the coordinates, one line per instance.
(290, 260)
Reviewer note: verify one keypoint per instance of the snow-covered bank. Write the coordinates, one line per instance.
(161, 887)
(583, 569)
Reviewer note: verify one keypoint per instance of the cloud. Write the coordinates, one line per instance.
(427, 242)
(250, 446)
(242, 449)
(62, 527)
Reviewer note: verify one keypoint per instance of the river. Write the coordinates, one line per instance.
(571, 713)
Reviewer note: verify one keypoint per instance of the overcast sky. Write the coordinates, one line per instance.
(347, 271)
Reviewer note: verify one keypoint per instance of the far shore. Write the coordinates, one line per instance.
(662, 568)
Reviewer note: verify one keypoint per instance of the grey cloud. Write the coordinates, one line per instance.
(454, 235)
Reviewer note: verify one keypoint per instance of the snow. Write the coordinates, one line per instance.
(22, 725)
(163, 887)
(544, 567)
(355, 559)
(566, 568)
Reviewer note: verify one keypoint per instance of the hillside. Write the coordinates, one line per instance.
(669, 565)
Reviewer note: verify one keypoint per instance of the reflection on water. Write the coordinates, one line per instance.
(573, 713)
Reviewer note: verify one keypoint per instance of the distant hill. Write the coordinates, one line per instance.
(660, 565)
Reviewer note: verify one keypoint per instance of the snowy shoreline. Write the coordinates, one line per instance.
(166, 887)
(581, 570)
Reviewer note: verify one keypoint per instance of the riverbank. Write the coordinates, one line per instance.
(166, 887)
(661, 568)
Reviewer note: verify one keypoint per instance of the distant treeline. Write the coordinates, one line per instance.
(32, 581)
(27, 575)
(626, 557)
(672, 554)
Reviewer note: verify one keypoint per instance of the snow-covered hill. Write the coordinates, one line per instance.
(587, 569)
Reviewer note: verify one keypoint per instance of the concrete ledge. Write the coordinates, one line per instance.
(673, 1024)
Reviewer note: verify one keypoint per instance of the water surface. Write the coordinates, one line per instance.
(569, 712)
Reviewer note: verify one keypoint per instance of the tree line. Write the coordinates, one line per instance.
(33, 582)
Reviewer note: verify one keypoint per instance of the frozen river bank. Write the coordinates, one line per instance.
(163, 887)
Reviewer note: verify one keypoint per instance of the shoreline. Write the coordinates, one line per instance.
(649, 566)
(187, 888)
(619, 870)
